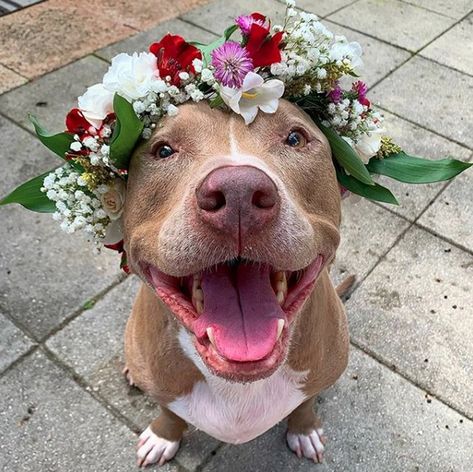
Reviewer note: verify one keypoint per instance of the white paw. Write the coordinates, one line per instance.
(308, 445)
(152, 449)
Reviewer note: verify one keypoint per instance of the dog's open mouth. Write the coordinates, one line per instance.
(239, 311)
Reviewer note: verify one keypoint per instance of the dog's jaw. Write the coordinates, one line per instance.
(229, 351)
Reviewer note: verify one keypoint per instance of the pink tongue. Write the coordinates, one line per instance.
(241, 307)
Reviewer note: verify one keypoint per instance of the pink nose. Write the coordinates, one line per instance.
(239, 200)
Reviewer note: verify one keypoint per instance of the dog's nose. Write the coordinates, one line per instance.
(238, 200)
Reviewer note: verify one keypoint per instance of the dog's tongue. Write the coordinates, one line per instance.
(241, 307)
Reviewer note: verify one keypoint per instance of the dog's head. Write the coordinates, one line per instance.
(231, 225)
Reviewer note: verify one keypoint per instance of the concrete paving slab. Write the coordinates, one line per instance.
(50, 424)
(93, 346)
(378, 58)
(66, 32)
(46, 274)
(459, 57)
(10, 79)
(413, 199)
(456, 9)
(408, 26)
(219, 15)
(13, 342)
(361, 246)
(413, 312)
(141, 41)
(374, 420)
(322, 7)
(54, 94)
(432, 96)
(451, 215)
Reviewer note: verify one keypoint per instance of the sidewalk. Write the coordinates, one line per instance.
(405, 401)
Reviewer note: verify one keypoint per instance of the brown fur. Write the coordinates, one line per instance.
(161, 227)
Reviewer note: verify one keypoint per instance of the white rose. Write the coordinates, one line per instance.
(368, 144)
(96, 104)
(131, 76)
(113, 199)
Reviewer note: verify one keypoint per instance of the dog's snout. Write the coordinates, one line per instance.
(238, 198)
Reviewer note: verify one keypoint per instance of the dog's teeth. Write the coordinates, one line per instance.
(197, 295)
(199, 306)
(280, 286)
(280, 297)
(210, 334)
(280, 327)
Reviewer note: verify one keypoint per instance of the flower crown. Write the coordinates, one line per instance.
(301, 61)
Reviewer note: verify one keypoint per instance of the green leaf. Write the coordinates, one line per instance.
(416, 170)
(206, 49)
(58, 143)
(346, 156)
(216, 102)
(373, 192)
(127, 132)
(30, 196)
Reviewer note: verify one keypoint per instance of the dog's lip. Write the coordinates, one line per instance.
(169, 290)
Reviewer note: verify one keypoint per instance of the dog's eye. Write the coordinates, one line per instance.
(296, 139)
(164, 150)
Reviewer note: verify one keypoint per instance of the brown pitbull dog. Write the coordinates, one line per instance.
(237, 326)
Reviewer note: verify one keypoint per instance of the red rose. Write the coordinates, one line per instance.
(77, 124)
(174, 56)
(264, 49)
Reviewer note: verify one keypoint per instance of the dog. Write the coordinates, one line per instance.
(233, 228)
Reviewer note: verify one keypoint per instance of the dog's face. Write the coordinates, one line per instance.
(231, 225)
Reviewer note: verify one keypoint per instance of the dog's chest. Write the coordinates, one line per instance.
(234, 412)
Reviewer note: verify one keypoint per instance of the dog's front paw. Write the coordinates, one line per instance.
(308, 445)
(152, 449)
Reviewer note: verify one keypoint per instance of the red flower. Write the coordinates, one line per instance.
(264, 49)
(174, 56)
(120, 248)
(77, 124)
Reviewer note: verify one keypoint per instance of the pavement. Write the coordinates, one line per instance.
(405, 401)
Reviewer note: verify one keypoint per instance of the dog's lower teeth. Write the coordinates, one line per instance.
(279, 282)
(210, 334)
(197, 294)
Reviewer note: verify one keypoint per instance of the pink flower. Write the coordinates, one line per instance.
(232, 63)
(361, 89)
(245, 22)
(335, 95)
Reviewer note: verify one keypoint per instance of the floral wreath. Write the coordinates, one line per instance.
(301, 61)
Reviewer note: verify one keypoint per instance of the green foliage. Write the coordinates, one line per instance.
(346, 156)
(58, 143)
(416, 170)
(373, 192)
(126, 134)
(30, 196)
(206, 49)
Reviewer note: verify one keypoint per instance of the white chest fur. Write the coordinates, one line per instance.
(234, 412)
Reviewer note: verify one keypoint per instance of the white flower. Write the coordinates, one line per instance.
(368, 144)
(113, 199)
(76, 146)
(253, 95)
(172, 110)
(343, 49)
(131, 76)
(96, 104)
(197, 63)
